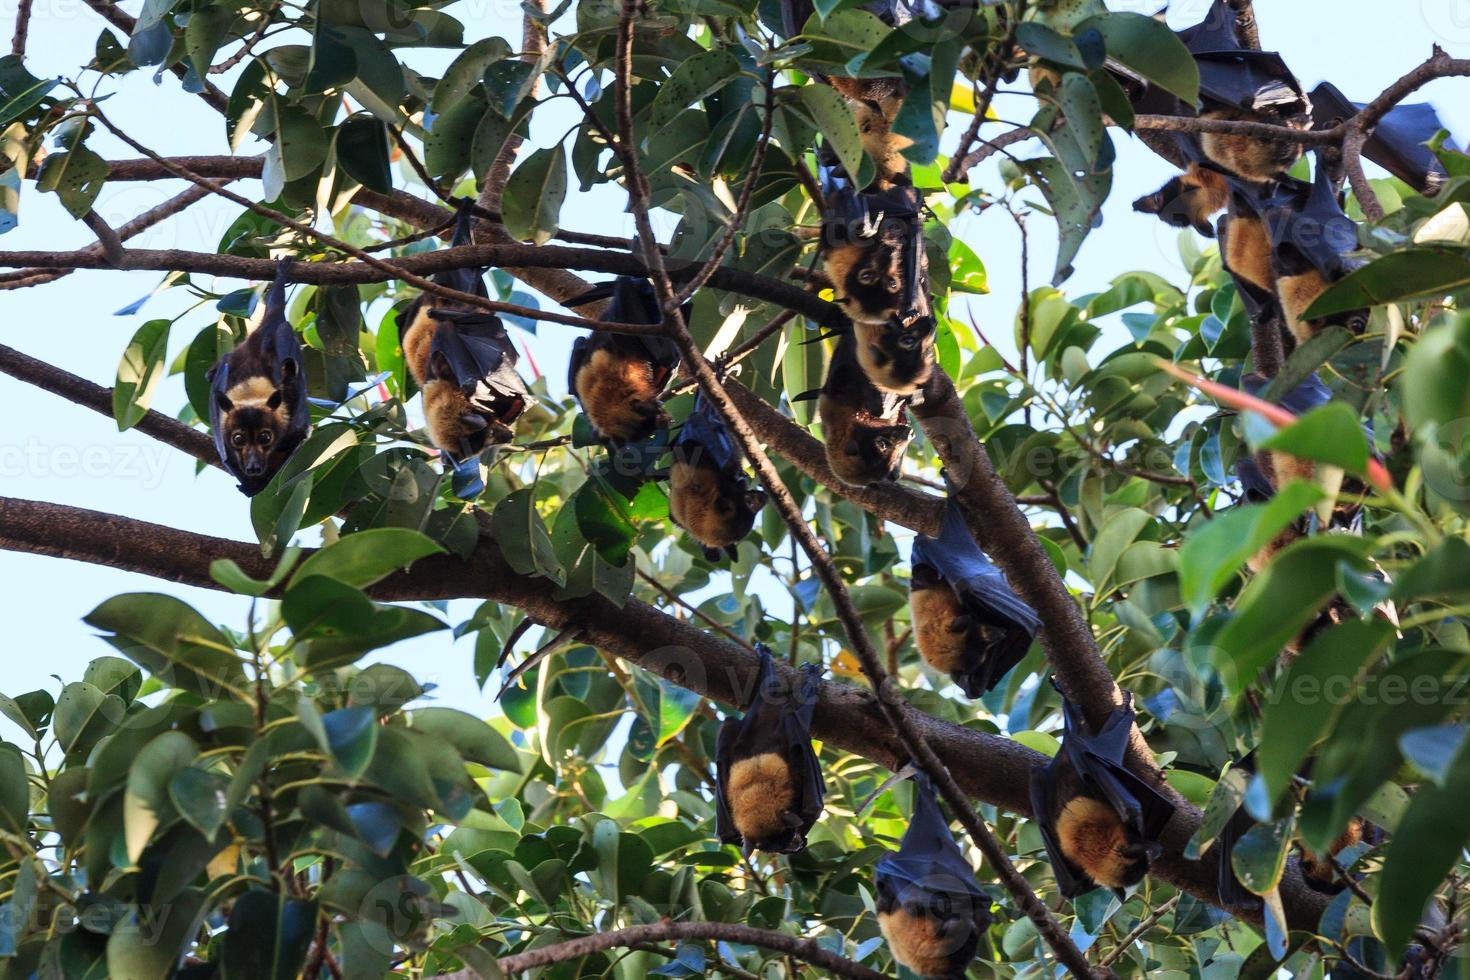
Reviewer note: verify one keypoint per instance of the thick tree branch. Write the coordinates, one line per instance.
(1245, 23)
(807, 950)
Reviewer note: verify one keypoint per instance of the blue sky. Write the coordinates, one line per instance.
(54, 451)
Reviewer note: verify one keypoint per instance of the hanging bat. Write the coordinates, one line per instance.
(619, 378)
(769, 785)
(929, 908)
(257, 408)
(464, 363)
(1398, 143)
(1189, 200)
(1100, 822)
(967, 621)
(1240, 84)
(864, 429)
(1311, 242)
(708, 495)
(1319, 869)
(872, 251)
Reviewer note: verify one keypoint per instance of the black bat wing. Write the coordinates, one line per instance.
(1398, 141)
(1317, 230)
(1231, 74)
(724, 759)
(1232, 892)
(219, 385)
(632, 300)
(811, 790)
(704, 432)
(282, 349)
(480, 355)
(465, 280)
(986, 595)
(1045, 793)
(928, 857)
(1098, 761)
(582, 349)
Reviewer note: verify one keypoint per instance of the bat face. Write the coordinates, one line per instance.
(1188, 201)
(897, 356)
(715, 507)
(1093, 838)
(1297, 291)
(868, 279)
(769, 786)
(1318, 869)
(861, 450)
(939, 626)
(875, 103)
(456, 426)
(1251, 157)
(619, 393)
(253, 434)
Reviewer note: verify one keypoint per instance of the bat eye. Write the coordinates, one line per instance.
(867, 277)
(894, 284)
(880, 444)
(908, 341)
(1357, 323)
(237, 439)
(266, 437)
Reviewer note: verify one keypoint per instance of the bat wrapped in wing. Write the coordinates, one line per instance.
(464, 362)
(258, 412)
(968, 623)
(619, 378)
(930, 909)
(1398, 142)
(769, 786)
(1100, 822)
(863, 427)
(708, 494)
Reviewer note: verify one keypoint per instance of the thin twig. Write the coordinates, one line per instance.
(1148, 923)
(22, 28)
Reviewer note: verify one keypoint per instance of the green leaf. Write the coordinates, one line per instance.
(472, 738)
(203, 35)
(362, 150)
(1260, 855)
(534, 195)
(1413, 273)
(340, 623)
(268, 937)
(146, 801)
(1439, 574)
(15, 791)
(602, 517)
(1083, 114)
(523, 539)
(1116, 535)
(1279, 601)
(1076, 201)
(1424, 847)
(167, 638)
(1432, 750)
(833, 117)
(76, 176)
(1435, 388)
(200, 797)
(1331, 434)
(696, 78)
(1311, 695)
(1212, 553)
(139, 372)
(966, 270)
(20, 91)
(226, 572)
(114, 675)
(465, 73)
(676, 706)
(138, 954)
(447, 149)
(83, 715)
(300, 144)
(351, 737)
(1150, 48)
(366, 557)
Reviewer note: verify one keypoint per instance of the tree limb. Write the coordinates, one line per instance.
(22, 28)
(807, 950)
(1245, 23)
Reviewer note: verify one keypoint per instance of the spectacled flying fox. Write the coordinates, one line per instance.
(769, 786)
(619, 378)
(1100, 822)
(863, 427)
(872, 251)
(464, 362)
(257, 407)
(930, 909)
(708, 495)
(967, 621)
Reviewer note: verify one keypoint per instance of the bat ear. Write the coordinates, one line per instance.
(289, 369)
(755, 500)
(852, 448)
(223, 401)
(274, 401)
